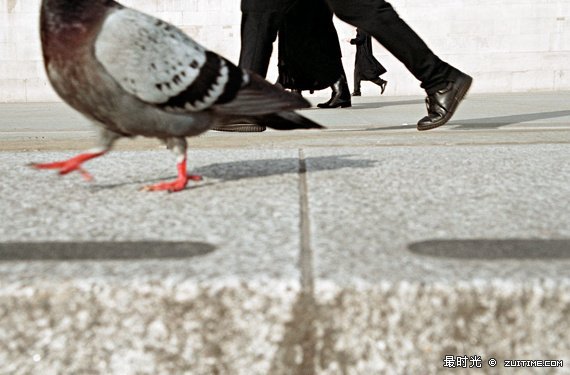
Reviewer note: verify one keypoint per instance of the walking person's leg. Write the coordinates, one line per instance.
(258, 32)
(380, 82)
(445, 85)
(356, 91)
(340, 95)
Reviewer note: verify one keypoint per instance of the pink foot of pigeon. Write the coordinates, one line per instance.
(176, 185)
(70, 165)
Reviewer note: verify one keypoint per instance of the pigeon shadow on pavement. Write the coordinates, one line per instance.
(249, 169)
(494, 249)
(499, 121)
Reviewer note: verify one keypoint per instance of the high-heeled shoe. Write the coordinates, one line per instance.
(382, 83)
(340, 96)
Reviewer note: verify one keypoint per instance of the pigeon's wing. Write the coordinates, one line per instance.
(259, 97)
(159, 64)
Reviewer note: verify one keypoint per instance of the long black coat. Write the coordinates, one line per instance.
(309, 50)
(366, 65)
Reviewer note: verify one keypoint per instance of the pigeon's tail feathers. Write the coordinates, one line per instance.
(259, 97)
(287, 121)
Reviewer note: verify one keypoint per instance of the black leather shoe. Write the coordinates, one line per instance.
(441, 105)
(356, 93)
(340, 95)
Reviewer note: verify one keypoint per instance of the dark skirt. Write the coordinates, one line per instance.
(366, 65)
(309, 50)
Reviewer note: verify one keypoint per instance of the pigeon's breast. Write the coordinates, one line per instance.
(91, 91)
(87, 89)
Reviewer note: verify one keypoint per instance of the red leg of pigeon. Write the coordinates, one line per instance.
(178, 145)
(179, 183)
(105, 142)
(70, 165)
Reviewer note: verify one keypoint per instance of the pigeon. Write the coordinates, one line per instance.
(135, 75)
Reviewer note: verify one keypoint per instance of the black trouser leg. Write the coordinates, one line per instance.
(356, 80)
(258, 32)
(378, 18)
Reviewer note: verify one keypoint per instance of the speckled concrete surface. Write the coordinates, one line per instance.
(143, 325)
(407, 196)
(497, 286)
(375, 249)
(157, 315)
(410, 327)
(247, 202)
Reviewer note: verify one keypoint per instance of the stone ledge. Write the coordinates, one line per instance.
(270, 326)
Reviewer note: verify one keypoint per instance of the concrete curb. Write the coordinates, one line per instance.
(273, 327)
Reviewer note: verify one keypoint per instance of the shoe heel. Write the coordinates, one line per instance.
(345, 105)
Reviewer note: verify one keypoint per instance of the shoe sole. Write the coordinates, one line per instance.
(460, 95)
(240, 128)
(344, 105)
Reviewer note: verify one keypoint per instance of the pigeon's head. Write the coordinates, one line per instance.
(74, 10)
(59, 15)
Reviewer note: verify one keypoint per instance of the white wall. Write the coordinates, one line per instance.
(507, 45)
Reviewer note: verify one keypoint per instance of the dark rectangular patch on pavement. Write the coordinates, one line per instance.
(108, 250)
(487, 249)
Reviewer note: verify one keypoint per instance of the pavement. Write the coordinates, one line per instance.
(365, 248)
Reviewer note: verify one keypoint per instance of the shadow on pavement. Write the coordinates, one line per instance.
(489, 249)
(244, 169)
(485, 122)
(271, 167)
(399, 127)
(372, 105)
(76, 251)
(382, 104)
(497, 122)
